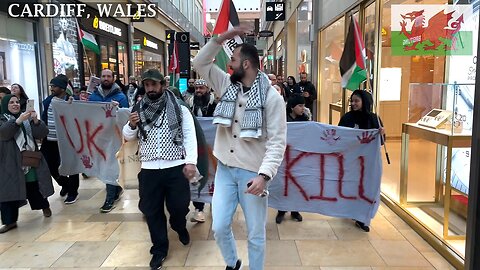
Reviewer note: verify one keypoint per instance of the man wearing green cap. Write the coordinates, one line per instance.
(168, 153)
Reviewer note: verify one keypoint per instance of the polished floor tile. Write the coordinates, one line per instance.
(73, 231)
(338, 253)
(306, 230)
(399, 253)
(37, 254)
(78, 236)
(86, 254)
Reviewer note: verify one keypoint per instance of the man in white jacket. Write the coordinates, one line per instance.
(168, 152)
(249, 145)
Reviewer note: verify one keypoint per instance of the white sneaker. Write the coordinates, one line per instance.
(198, 216)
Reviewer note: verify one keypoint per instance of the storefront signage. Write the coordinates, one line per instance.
(265, 33)
(22, 46)
(275, 11)
(170, 35)
(194, 46)
(99, 24)
(150, 43)
(431, 30)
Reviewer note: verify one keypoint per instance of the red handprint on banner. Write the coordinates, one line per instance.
(87, 162)
(330, 136)
(109, 112)
(367, 137)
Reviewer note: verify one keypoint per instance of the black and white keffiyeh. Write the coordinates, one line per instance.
(151, 110)
(252, 122)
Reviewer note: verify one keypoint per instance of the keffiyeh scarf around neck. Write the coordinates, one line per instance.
(152, 109)
(252, 122)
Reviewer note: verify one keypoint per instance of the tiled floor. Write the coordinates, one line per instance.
(78, 236)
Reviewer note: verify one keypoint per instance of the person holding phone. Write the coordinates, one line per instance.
(249, 145)
(18, 182)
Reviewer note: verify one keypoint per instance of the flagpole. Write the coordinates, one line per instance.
(382, 139)
(370, 89)
(84, 52)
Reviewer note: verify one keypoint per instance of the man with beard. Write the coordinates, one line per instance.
(108, 91)
(69, 183)
(168, 153)
(190, 93)
(203, 103)
(307, 90)
(249, 145)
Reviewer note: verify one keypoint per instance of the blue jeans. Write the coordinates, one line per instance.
(230, 187)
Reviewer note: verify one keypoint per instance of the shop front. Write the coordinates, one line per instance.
(19, 56)
(112, 38)
(149, 53)
(423, 91)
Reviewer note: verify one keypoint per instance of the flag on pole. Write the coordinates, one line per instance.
(352, 62)
(174, 66)
(88, 40)
(227, 19)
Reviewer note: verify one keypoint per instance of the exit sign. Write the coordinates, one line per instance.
(270, 57)
(136, 47)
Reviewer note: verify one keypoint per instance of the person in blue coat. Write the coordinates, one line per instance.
(109, 91)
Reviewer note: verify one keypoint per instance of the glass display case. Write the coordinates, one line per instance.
(435, 159)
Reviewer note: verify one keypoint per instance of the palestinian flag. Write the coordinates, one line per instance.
(227, 19)
(88, 40)
(352, 62)
(174, 66)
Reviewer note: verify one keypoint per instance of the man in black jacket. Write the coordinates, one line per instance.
(307, 90)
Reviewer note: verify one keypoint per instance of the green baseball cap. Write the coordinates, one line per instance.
(152, 74)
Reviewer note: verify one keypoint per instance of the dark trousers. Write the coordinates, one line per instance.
(52, 155)
(9, 210)
(199, 205)
(156, 188)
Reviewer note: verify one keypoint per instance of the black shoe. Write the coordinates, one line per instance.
(108, 206)
(63, 192)
(119, 193)
(157, 261)
(297, 216)
(47, 212)
(85, 176)
(6, 228)
(184, 237)
(238, 266)
(71, 199)
(280, 216)
(362, 226)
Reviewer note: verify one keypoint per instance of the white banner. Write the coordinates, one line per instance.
(331, 170)
(89, 135)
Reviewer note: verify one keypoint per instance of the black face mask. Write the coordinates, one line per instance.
(191, 89)
(237, 75)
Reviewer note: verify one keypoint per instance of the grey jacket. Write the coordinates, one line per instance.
(12, 178)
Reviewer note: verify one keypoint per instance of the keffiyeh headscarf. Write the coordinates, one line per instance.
(252, 122)
(152, 109)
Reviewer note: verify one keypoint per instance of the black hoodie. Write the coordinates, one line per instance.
(363, 119)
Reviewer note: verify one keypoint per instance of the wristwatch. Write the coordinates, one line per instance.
(265, 177)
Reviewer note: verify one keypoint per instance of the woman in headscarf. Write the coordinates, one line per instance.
(361, 116)
(18, 132)
(19, 92)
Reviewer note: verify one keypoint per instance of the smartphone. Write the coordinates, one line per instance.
(265, 191)
(30, 105)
